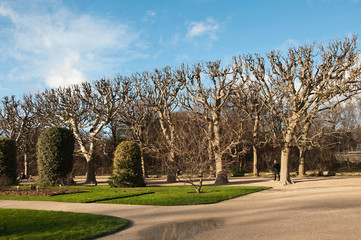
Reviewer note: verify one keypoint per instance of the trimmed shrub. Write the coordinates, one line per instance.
(7, 162)
(55, 156)
(127, 166)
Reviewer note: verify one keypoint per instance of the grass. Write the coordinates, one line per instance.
(34, 224)
(173, 196)
(90, 194)
(157, 196)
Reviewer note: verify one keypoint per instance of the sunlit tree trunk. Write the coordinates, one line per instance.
(255, 162)
(254, 148)
(26, 164)
(301, 166)
(285, 172)
(302, 145)
(285, 153)
(89, 156)
(221, 175)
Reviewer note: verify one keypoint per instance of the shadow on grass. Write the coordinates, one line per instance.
(112, 198)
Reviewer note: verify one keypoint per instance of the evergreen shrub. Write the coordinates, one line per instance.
(7, 162)
(55, 156)
(127, 166)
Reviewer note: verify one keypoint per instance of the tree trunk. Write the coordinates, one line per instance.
(301, 166)
(302, 149)
(255, 162)
(143, 166)
(26, 165)
(168, 132)
(221, 176)
(285, 154)
(255, 139)
(90, 176)
(171, 178)
(171, 170)
(285, 172)
(211, 152)
(142, 160)
(90, 173)
(88, 154)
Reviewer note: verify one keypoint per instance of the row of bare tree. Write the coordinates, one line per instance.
(201, 118)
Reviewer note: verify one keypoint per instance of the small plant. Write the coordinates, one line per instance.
(127, 166)
(7, 162)
(55, 156)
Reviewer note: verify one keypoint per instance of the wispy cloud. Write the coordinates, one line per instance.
(150, 16)
(63, 48)
(7, 12)
(65, 73)
(209, 27)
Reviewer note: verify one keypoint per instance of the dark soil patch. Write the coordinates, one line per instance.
(40, 192)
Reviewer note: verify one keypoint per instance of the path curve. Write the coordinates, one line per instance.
(312, 208)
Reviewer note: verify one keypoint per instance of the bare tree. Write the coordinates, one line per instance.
(14, 117)
(192, 150)
(18, 123)
(303, 82)
(160, 91)
(138, 116)
(248, 99)
(208, 90)
(86, 109)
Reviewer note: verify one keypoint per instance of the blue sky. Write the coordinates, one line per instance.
(50, 43)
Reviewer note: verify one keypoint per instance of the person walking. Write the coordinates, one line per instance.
(276, 170)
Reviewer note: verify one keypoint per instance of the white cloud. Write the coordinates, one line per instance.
(65, 73)
(8, 12)
(209, 27)
(63, 48)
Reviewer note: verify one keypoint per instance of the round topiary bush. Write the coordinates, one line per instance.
(7, 161)
(127, 166)
(55, 156)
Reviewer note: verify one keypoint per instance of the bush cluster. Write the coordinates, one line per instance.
(55, 156)
(7, 161)
(127, 166)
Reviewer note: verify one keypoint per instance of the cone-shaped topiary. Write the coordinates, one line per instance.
(7, 161)
(55, 156)
(127, 166)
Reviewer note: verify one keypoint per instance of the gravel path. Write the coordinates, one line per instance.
(312, 208)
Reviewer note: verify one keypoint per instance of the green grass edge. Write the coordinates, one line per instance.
(9, 221)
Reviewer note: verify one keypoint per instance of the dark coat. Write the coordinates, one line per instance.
(276, 167)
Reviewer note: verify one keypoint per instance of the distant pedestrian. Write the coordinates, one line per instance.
(22, 176)
(276, 170)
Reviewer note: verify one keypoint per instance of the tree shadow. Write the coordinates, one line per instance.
(317, 179)
(249, 181)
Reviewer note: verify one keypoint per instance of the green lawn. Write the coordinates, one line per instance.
(89, 194)
(160, 196)
(172, 196)
(33, 224)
